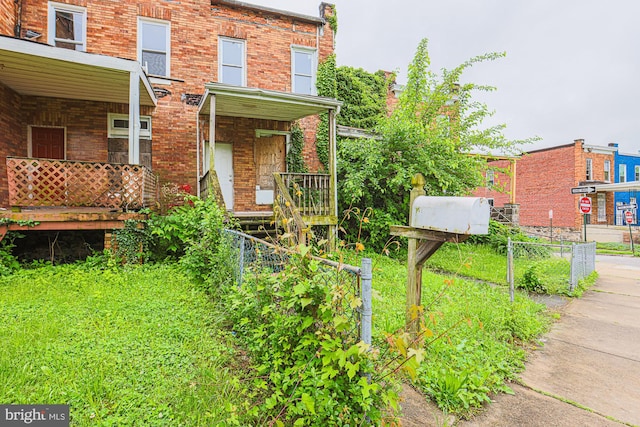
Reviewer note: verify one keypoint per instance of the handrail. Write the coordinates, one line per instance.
(284, 205)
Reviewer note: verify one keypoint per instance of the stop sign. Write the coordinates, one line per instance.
(585, 205)
(628, 216)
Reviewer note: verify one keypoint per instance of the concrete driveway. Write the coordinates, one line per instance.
(588, 371)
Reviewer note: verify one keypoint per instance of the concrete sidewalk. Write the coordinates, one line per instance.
(588, 371)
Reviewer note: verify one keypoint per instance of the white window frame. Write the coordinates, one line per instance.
(637, 173)
(589, 170)
(242, 66)
(314, 68)
(491, 178)
(607, 170)
(120, 132)
(51, 21)
(167, 26)
(622, 173)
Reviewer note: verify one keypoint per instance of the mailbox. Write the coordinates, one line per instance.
(460, 215)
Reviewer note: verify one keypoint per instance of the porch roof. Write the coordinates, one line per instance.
(618, 186)
(37, 69)
(238, 101)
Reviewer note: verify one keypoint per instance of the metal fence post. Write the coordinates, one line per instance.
(510, 269)
(574, 268)
(365, 321)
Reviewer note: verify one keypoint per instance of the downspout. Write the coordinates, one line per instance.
(17, 29)
(198, 153)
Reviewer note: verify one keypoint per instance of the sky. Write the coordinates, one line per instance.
(571, 71)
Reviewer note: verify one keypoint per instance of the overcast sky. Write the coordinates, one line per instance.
(572, 68)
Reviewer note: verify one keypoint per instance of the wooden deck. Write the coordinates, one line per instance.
(65, 219)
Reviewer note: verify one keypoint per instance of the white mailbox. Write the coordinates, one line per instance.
(460, 215)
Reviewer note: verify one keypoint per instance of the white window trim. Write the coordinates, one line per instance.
(622, 172)
(114, 132)
(314, 66)
(636, 173)
(607, 170)
(589, 170)
(51, 23)
(244, 57)
(167, 24)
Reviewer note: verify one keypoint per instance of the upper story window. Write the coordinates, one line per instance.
(231, 57)
(637, 174)
(154, 46)
(491, 178)
(303, 70)
(67, 26)
(589, 170)
(622, 172)
(607, 170)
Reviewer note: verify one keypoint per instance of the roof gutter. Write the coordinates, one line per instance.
(242, 5)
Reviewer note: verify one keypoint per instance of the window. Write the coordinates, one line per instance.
(231, 57)
(491, 178)
(303, 70)
(622, 172)
(637, 173)
(119, 126)
(607, 170)
(589, 169)
(68, 26)
(154, 46)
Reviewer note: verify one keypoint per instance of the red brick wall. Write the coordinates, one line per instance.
(544, 179)
(7, 13)
(11, 138)
(195, 28)
(500, 192)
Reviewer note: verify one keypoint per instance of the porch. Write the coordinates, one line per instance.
(49, 194)
(245, 138)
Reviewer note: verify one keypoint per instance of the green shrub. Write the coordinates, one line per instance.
(531, 281)
(309, 367)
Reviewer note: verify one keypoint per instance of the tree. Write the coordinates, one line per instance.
(435, 130)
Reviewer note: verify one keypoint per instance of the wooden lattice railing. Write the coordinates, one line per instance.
(46, 182)
(310, 192)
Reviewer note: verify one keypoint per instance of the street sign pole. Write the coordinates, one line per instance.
(584, 222)
(628, 217)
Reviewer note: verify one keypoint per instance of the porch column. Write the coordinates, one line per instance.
(333, 178)
(212, 133)
(134, 118)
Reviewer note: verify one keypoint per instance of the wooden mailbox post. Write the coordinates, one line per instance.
(432, 222)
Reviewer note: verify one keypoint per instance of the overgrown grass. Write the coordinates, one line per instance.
(135, 346)
(482, 336)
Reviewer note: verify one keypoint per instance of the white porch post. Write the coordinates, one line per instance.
(333, 177)
(212, 133)
(134, 118)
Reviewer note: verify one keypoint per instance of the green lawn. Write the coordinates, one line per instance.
(135, 346)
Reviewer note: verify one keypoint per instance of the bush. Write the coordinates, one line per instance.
(310, 368)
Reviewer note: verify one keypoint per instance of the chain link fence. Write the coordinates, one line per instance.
(553, 268)
(350, 282)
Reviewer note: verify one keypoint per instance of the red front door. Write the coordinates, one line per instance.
(47, 143)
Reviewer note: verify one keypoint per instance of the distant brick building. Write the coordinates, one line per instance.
(77, 72)
(543, 182)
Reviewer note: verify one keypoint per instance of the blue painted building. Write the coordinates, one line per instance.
(627, 169)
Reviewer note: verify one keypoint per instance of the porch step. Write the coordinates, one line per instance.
(259, 225)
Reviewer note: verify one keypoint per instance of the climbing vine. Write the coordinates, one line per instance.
(295, 159)
(363, 95)
(326, 85)
(333, 20)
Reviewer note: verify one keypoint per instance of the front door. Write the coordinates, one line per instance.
(602, 207)
(47, 143)
(224, 169)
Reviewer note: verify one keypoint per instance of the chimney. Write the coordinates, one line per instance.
(613, 144)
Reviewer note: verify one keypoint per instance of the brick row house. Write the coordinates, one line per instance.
(75, 74)
(540, 181)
